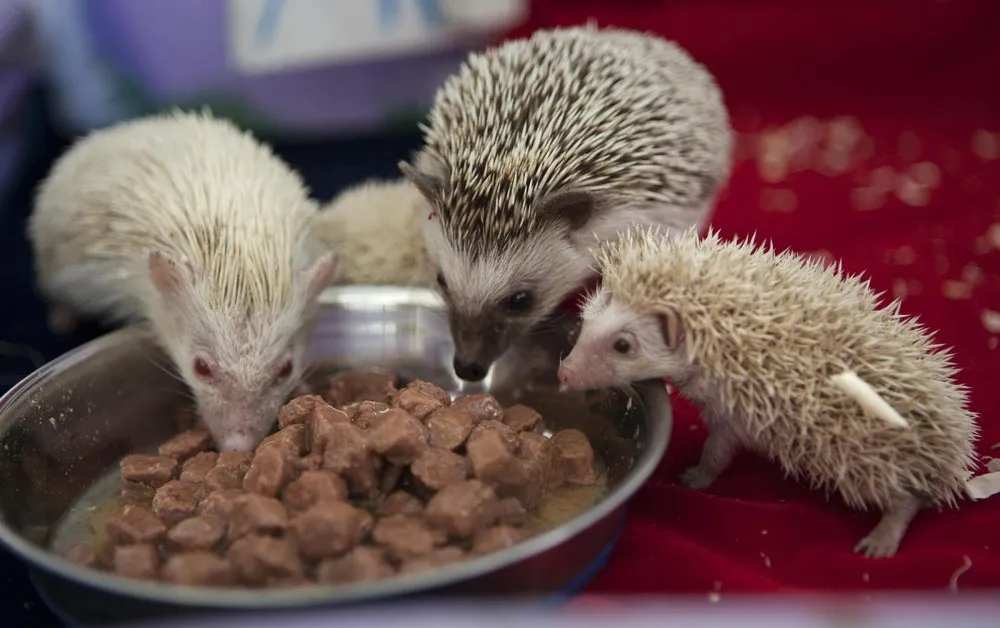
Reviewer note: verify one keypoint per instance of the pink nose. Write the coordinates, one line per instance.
(564, 376)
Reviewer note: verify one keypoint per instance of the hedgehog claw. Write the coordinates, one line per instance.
(877, 546)
(62, 320)
(695, 479)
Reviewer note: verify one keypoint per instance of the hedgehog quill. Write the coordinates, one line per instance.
(372, 227)
(534, 147)
(191, 224)
(768, 344)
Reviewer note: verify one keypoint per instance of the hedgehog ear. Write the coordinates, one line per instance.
(428, 184)
(319, 275)
(671, 327)
(572, 208)
(169, 276)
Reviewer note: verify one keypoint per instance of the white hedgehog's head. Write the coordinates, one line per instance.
(240, 361)
(628, 332)
(538, 145)
(235, 276)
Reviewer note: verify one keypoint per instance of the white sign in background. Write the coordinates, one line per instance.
(275, 35)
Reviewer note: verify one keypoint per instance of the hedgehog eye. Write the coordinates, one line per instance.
(285, 370)
(202, 369)
(441, 281)
(520, 301)
(622, 346)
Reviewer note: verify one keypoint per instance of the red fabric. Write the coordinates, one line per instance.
(919, 77)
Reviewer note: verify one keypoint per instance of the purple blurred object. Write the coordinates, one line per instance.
(114, 59)
(17, 69)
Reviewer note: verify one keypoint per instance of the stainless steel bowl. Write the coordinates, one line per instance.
(64, 428)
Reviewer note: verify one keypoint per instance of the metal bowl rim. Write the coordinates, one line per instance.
(37, 557)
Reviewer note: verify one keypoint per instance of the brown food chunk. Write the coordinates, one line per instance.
(82, 555)
(437, 468)
(494, 539)
(197, 568)
(197, 533)
(137, 491)
(186, 444)
(268, 473)
(362, 564)
(140, 561)
(575, 456)
(480, 407)
(135, 525)
(313, 487)
(197, 466)
(290, 441)
(319, 426)
(431, 390)
(435, 559)
(175, 501)
(417, 403)
(512, 512)
(536, 457)
(363, 414)
(329, 529)
(521, 418)
(256, 514)
(398, 436)
(449, 427)
(219, 503)
(260, 560)
(461, 509)
(348, 456)
(391, 476)
(505, 431)
(368, 384)
(152, 471)
(400, 503)
(239, 459)
(492, 460)
(298, 410)
(312, 462)
(405, 536)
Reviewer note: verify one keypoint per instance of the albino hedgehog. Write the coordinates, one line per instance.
(763, 342)
(187, 222)
(538, 144)
(374, 227)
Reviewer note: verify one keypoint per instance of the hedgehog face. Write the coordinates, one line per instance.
(498, 298)
(241, 365)
(618, 346)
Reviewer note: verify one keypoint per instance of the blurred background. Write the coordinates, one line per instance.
(869, 133)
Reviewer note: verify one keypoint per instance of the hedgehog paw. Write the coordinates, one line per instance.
(695, 479)
(878, 545)
(62, 320)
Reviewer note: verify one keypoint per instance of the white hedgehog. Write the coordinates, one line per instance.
(762, 341)
(538, 144)
(192, 224)
(374, 227)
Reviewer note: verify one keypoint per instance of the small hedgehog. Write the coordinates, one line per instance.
(535, 146)
(768, 344)
(189, 223)
(374, 227)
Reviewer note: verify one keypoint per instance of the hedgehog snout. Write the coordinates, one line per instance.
(237, 441)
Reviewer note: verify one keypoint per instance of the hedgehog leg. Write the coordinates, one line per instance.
(884, 539)
(62, 320)
(718, 452)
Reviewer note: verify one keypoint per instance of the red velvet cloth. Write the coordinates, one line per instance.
(921, 80)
